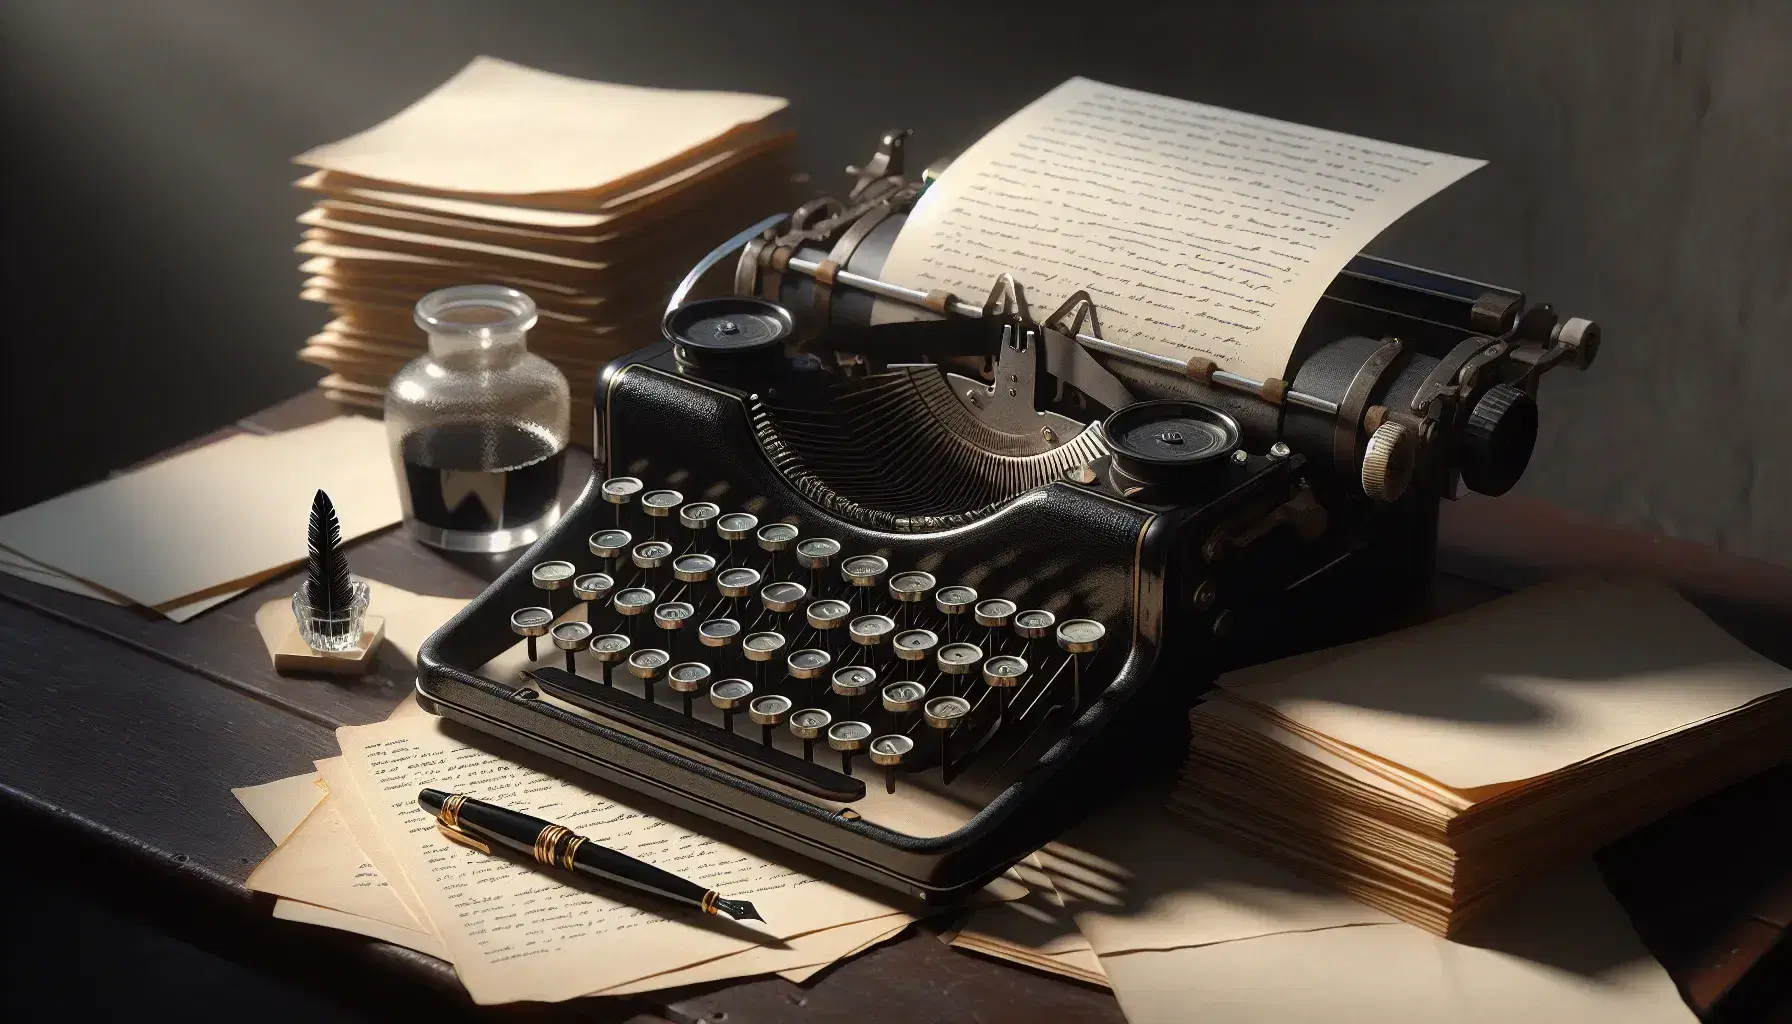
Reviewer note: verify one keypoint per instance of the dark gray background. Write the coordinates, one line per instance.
(1639, 156)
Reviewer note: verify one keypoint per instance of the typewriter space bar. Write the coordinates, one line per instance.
(699, 736)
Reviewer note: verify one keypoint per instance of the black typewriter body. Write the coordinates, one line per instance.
(1160, 527)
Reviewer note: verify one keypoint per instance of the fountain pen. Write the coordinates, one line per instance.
(481, 826)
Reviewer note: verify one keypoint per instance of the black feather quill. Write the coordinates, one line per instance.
(327, 584)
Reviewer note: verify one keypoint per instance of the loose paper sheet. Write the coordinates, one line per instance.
(211, 519)
(498, 128)
(1199, 231)
(316, 858)
(1527, 684)
(1133, 879)
(515, 933)
(1564, 953)
(306, 913)
(281, 805)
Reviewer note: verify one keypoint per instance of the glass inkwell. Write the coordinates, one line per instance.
(478, 427)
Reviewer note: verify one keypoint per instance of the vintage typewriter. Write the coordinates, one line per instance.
(902, 598)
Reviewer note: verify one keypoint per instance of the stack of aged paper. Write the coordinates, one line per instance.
(356, 853)
(1428, 772)
(592, 198)
(190, 532)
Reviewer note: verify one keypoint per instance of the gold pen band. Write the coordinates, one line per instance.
(709, 901)
(547, 844)
(571, 850)
(450, 812)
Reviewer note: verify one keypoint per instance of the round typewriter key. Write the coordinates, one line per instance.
(945, 712)
(659, 504)
(904, 697)
(828, 613)
(553, 575)
(870, 630)
(994, 613)
(648, 666)
(910, 587)
(572, 637)
(610, 543)
(807, 663)
(649, 663)
(728, 695)
(531, 623)
(864, 570)
(848, 738)
(686, 678)
(698, 515)
(1080, 636)
(762, 646)
(914, 644)
(808, 724)
(718, 632)
(650, 554)
(959, 659)
(768, 712)
(693, 568)
(889, 751)
(633, 600)
(1004, 671)
(608, 650)
(853, 680)
(673, 614)
(736, 525)
(817, 552)
(954, 600)
(737, 582)
(775, 537)
(620, 490)
(783, 597)
(1035, 623)
(593, 586)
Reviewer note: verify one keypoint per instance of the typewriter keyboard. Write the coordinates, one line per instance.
(791, 658)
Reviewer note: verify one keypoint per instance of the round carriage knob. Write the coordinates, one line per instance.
(1582, 338)
(1388, 462)
(1495, 444)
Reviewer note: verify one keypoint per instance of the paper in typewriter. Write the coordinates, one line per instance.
(1200, 232)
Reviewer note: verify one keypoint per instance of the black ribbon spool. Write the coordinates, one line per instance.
(729, 329)
(1170, 441)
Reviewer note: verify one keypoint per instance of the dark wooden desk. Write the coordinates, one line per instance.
(121, 735)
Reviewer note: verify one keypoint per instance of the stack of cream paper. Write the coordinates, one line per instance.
(189, 532)
(1428, 772)
(592, 198)
(355, 853)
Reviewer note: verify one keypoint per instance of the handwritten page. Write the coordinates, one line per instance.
(1200, 232)
(320, 863)
(517, 933)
